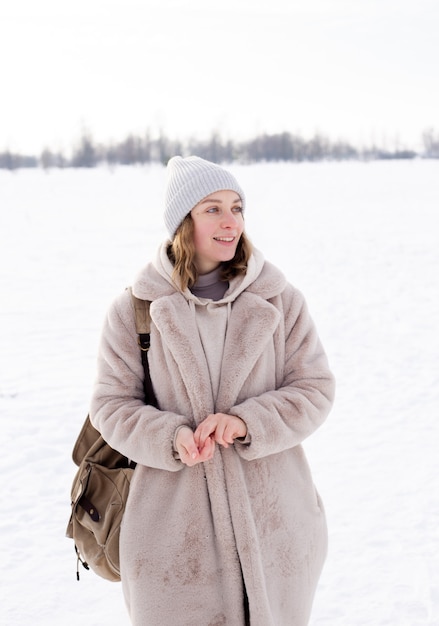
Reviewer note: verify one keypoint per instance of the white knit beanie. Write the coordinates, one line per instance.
(190, 180)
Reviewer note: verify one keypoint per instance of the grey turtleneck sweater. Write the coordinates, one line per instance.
(210, 286)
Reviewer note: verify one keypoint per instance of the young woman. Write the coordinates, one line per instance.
(223, 524)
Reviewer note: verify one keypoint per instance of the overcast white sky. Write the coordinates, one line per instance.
(361, 70)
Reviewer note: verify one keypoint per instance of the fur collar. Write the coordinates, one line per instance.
(262, 279)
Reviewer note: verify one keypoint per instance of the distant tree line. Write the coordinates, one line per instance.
(140, 150)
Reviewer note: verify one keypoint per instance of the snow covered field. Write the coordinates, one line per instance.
(361, 240)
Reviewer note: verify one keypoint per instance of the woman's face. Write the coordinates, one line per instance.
(218, 226)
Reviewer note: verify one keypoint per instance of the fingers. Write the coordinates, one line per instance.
(222, 427)
(190, 452)
(204, 430)
(221, 435)
(207, 451)
(199, 446)
(186, 447)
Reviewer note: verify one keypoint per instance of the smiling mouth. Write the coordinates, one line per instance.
(225, 239)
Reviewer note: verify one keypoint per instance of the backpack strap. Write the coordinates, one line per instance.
(143, 325)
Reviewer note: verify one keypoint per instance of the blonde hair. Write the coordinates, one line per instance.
(181, 252)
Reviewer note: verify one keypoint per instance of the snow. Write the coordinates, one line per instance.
(361, 241)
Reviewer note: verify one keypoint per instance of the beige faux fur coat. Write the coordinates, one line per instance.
(194, 538)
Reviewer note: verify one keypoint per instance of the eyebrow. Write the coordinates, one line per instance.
(207, 200)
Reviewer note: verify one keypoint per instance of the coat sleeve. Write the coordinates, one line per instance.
(141, 432)
(281, 419)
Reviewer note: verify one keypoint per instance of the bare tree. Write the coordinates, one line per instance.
(430, 138)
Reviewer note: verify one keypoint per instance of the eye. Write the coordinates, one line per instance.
(212, 209)
(237, 209)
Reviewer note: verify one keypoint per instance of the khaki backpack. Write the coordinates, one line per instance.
(101, 485)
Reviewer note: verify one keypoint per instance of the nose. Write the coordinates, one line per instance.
(230, 219)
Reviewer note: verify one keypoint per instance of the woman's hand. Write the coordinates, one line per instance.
(191, 452)
(223, 428)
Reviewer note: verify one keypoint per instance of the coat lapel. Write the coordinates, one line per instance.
(251, 326)
(179, 333)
